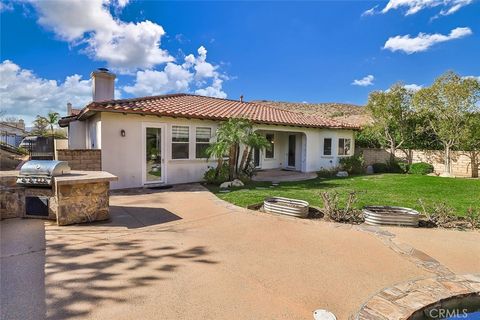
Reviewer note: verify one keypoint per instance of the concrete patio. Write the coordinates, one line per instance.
(184, 254)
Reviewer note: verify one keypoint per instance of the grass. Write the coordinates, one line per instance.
(382, 189)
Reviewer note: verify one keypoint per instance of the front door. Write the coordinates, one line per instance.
(292, 145)
(154, 155)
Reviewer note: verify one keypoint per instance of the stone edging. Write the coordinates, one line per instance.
(402, 300)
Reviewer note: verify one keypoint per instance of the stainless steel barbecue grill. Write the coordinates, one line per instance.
(39, 173)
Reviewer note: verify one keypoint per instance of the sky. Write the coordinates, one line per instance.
(315, 51)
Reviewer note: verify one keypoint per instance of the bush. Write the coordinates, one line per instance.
(420, 168)
(353, 164)
(404, 166)
(380, 167)
(222, 177)
(327, 173)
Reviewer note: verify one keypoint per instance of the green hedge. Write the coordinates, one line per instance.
(420, 168)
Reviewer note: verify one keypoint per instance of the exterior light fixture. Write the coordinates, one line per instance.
(122, 133)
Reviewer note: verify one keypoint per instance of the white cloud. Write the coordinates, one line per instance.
(194, 74)
(370, 12)
(413, 87)
(25, 95)
(125, 46)
(423, 41)
(365, 81)
(414, 6)
(214, 90)
(472, 77)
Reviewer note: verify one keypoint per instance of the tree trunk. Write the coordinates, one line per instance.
(249, 159)
(447, 159)
(237, 156)
(244, 158)
(219, 166)
(231, 162)
(393, 149)
(474, 163)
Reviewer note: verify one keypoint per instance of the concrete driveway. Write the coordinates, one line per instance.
(184, 254)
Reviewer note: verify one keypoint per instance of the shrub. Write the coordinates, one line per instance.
(380, 167)
(327, 173)
(211, 178)
(404, 166)
(420, 168)
(353, 164)
(333, 211)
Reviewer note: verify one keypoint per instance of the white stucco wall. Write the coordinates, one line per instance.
(125, 156)
(94, 132)
(77, 135)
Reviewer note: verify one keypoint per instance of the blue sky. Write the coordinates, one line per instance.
(285, 51)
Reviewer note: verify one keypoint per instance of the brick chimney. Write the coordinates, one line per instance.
(103, 85)
(69, 109)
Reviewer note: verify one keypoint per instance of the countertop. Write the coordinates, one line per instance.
(74, 177)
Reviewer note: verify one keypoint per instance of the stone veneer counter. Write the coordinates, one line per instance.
(81, 196)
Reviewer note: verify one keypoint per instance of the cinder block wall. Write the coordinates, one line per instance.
(461, 160)
(82, 159)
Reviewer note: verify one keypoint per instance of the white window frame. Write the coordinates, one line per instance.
(331, 147)
(174, 142)
(207, 143)
(338, 147)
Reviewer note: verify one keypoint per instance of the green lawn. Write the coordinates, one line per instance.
(383, 189)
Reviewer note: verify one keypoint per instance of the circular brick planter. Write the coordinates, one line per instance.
(402, 300)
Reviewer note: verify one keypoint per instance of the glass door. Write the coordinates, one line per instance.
(154, 156)
(292, 145)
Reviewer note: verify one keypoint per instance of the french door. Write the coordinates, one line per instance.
(153, 154)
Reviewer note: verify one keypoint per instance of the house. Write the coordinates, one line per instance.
(162, 139)
(12, 132)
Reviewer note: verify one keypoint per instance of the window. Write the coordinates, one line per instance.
(344, 146)
(270, 152)
(327, 146)
(180, 143)
(202, 141)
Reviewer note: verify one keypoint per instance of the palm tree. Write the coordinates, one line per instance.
(230, 135)
(51, 120)
(218, 150)
(254, 141)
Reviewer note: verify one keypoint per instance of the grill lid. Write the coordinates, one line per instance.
(50, 168)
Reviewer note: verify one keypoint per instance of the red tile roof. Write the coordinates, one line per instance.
(201, 107)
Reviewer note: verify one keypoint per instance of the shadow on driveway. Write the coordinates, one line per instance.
(136, 217)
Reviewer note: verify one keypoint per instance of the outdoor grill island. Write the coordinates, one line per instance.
(48, 189)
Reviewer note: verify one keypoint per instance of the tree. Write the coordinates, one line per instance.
(391, 111)
(40, 125)
(52, 119)
(230, 136)
(470, 142)
(252, 141)
(447, 106)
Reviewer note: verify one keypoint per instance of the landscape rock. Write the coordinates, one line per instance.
(226, 185)
(237, 183)
(342, 174)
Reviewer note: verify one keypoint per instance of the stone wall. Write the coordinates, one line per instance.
(12, 198)
(82, 159)
(461, 160)
(85, 202)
